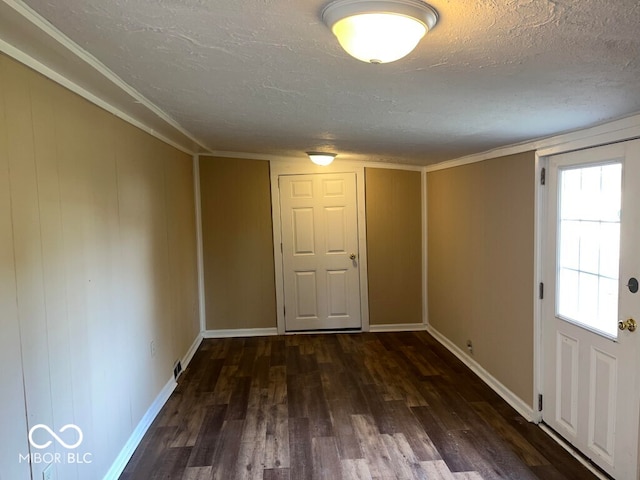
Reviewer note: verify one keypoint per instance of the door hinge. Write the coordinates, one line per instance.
(539, 402)
(281, 250)
(543, 176)
(541, 291)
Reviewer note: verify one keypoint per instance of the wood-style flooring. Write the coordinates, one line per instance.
(340, 406)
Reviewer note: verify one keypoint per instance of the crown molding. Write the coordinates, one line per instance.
(614, 131)
(33, 41)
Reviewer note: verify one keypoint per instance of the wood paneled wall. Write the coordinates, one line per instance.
(394, 245)
(481, 269)
(97, 261)
(237, 237)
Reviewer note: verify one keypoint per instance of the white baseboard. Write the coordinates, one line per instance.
(398, 327)
(240, 332)
(119, 464)
(192, 351)
(511, 398)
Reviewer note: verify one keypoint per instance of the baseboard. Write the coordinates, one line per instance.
(129, 448)
(119, 464)
(192, 351)
(398, 327)
(240, 332)
(511, 398)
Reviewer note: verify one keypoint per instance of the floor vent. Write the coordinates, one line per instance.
(177, 369)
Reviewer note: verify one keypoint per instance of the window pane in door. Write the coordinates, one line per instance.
(589, 246)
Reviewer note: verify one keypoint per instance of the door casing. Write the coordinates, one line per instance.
(541, 215)
(279, 168)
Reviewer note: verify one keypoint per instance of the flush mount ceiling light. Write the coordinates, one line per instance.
(379, 31)
(321, 158)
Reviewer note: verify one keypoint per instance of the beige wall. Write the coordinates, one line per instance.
(237, 236)
(97, 260)
(481, 269)
(394, 245)
(238, 244)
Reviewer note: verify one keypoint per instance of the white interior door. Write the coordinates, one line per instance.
(320, 251)
(592, 250)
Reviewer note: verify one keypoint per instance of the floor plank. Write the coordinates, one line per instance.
(326, 461)
(276, 474)
(196, 473)
(370, 406)
(300, 459)
(208, 436)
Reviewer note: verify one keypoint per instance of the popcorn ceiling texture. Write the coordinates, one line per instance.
(268, 77)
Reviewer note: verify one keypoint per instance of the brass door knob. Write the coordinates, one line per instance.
(630, 325)
(352, 256)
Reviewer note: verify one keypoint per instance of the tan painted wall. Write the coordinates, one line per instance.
(394, 245)
(238, 244)
(481, 270)
(97, 260)
(237, 236)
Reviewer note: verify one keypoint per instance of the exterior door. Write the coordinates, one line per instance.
(590, 347)
(320, 251)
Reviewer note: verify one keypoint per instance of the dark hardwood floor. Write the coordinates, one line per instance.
(340, 406)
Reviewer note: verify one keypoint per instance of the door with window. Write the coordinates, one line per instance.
(591, 305)
(320, 251)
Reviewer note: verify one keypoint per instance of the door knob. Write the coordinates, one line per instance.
(352, 256)
(630, 325)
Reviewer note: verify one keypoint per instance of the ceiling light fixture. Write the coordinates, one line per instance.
(321, 158)
(379, 31)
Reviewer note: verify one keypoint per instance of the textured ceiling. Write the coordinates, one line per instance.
(268, 77)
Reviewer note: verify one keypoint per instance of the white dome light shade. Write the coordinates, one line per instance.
(321, 158)
(378, 37)
(379, 31)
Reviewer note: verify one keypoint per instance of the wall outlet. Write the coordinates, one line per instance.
(47, 473)
(152, 348)
(470, 347)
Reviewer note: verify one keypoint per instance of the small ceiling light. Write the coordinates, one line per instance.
(321, 158)
(379, 31)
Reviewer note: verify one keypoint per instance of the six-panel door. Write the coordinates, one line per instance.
(320, 251)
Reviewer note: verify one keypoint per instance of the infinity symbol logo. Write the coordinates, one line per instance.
(53, 434)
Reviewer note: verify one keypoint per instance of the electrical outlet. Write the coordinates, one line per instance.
(47, 473)
(470, 346)
(152, 347)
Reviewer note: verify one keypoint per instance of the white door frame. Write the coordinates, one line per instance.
(541, 216)
(279, 168)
